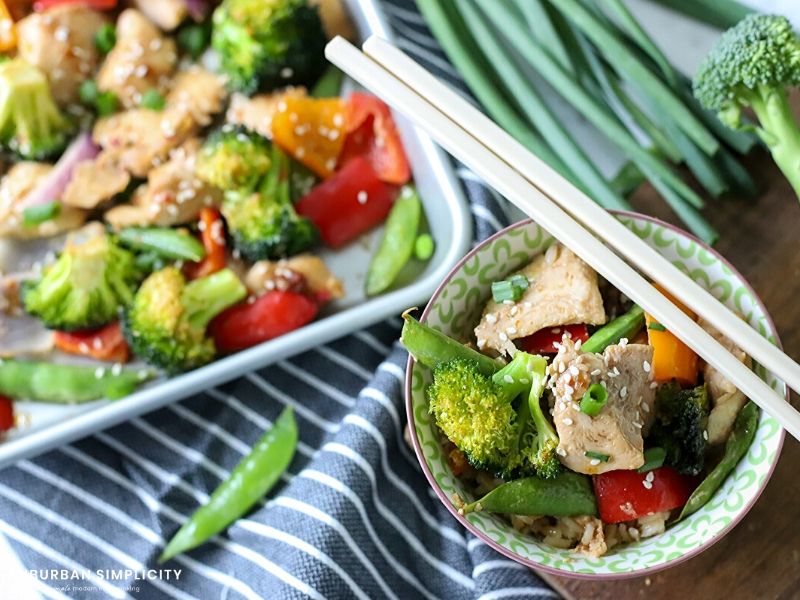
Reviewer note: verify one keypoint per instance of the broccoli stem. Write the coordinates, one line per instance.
(779, 130)
(544, 430)
(516, 376)
(208, 296)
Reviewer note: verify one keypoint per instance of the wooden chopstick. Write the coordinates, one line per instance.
(518, 189)
(586, 211)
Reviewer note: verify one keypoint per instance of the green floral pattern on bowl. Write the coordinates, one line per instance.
(457, 307)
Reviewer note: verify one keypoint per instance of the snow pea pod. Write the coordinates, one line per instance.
(566, 495)
(744, 431)
(397, 245)
(624, 326)
(430, 347)
(170, 243)
(253, 477)
(67, 384)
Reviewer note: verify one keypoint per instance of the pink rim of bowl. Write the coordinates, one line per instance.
(530, 563)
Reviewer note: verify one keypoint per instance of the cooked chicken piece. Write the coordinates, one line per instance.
(167, 14)
(617, 430)
(563, 290)
(726, 400)
(140, 139)
(256, 112)
(267, 275)
(142, 59)
(60, 41)
(171, 196)
(20, 180)
(335, 20)
(96, 181)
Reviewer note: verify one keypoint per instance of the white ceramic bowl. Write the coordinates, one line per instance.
(455, 308)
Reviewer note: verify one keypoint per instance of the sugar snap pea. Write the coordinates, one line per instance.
(624, 326)
(397, 245)
(67, 384)
(170, 243)
(744, 430)
(566, 495)
(253, 477)
(430, 347)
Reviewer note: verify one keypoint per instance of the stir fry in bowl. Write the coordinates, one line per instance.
(575, 414)
(171, 172)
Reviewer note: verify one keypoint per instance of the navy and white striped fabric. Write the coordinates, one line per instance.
(353, 517)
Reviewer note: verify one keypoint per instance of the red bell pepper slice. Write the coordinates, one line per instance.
(628, 495)
(106, 343)
(212, 233)
(544, 340)
(350, 202)
(6, 414)
(42, 5)
(371, 132)
(269, 316)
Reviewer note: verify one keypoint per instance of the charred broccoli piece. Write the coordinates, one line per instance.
(31, 124)
(753, 65)
(234, 158)
(681, 427)
(266, 44)
(166, 323)
(85, 287)
(264, 224)
(481, 415)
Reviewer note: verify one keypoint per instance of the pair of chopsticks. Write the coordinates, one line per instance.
(560, 208)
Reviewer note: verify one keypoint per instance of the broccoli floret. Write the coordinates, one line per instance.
(265, 44)
(264, 224)
(234, 158)
(31, 125)
(681, 427)
(753, 65)
(166, 324)
(85, 287)
(480, 416)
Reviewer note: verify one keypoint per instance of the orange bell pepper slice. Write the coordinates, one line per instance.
(212, 234)
(106, 343)
(8, 31)
(312, 130)
(672, 359)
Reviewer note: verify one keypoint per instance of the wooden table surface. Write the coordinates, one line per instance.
(760, 558)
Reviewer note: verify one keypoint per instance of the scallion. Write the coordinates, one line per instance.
(594, 400)
(36, 215)
(656, 326)
(597, 455)
(106, 104)
(653, 459)
(509, 289)
(106, 38)
(152, 99)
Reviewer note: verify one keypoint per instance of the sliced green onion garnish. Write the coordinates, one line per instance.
(152, 99)
(88, 92)
(656, 326)
(594, 400)
(36, 215)
(424, 247)
(106, 38)
(509, 289)
(597, 455)
(653, 459)
(106, 104)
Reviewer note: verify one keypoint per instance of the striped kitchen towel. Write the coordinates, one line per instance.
(353, 517)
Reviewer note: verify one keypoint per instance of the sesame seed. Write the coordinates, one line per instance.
(596, 372)
(511, 330)
(650, 476)
(508, 379)
(527, 305)
(509, 302)
(562, 367)
(514, 311)
(491, 318)
(503, 336)
(623, 392)
(594, 462)
(116, 369)
(637, 424)
(338, 119)
(623, 342)
(282, 108)
(705, 434)
(567, 421)
(61, 33)
(569, 390)
(646, 366)
(578, 344)
(300, 152)
(561, 452)
(287, 72)
(574, 370)
(362, 197)
(481, 343)
(524, 380)
(83, 347)
(654, 385)
(647, 485)
(646, 407)
(99, 373)
(97, 343)
(333, 135)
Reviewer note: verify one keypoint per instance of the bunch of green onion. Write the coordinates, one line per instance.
(598, 59)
